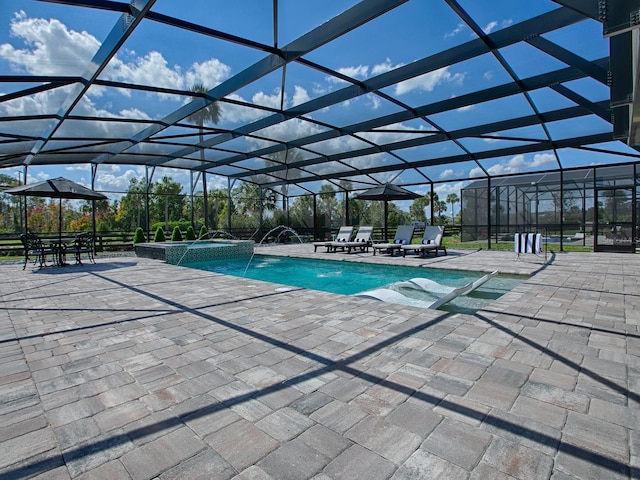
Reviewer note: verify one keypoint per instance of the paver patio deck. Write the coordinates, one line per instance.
(132, 368)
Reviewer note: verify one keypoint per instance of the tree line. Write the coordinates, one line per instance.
(168, 205)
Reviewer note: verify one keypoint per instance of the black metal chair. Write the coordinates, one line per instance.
(82, 245)
(34, 249)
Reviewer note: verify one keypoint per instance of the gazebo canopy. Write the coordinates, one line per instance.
(355, 93)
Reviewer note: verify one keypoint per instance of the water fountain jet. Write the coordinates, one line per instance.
(283, 229)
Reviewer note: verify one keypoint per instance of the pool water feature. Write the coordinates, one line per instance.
(348, 278)
(282, 230)
(196, 251)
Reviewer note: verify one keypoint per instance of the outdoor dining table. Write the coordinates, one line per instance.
(60, 245)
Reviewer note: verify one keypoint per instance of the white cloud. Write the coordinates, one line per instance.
(374, 102)
(429, 81)
(152, 69)
(134, 113)
(41, 103)
(426, 82)
(516, 164)
(291, 129)
(488, 75)
(360, 72)
(113, 168)
(540, 159)
(300, 96)
(448, 173)
(445, 189)
(266, 100)
(216, 182)
(384, 67)
(50, 47)
(109, 181)
(235, 114)
(476, 172)
(209, 73)
(319, 89)
(395, 133)
(39, 177)
(489, 27)
(48, 102)
(78, 167)
(459, 28)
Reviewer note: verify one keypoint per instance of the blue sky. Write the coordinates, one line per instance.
(39, 38)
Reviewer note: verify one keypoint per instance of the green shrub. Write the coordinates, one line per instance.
(183, 224)
(191, 234)
(103, 227)
(159, 236)
(139, 237)
(203, 232)
(176, 236)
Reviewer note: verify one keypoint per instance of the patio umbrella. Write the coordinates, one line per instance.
(387, 192)
(56, 188)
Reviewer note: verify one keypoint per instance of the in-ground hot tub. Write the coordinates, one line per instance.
(198, 251)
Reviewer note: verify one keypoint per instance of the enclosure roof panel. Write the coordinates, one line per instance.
(295, 93)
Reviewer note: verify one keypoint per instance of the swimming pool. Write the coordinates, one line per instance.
(348, 278)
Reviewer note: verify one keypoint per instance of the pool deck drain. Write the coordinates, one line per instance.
(133, 368)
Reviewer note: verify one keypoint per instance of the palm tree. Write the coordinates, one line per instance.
(285, 157)
(452, 198)
(209, 113)
(438, 206)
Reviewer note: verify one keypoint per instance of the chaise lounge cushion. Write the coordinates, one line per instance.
(431, 242)
(344, 235)
(403, 236)
(361, 242)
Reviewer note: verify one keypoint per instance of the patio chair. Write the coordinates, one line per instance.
(35, 249)
(403, 236)
(344, 235)
(362, 241)
(431, 242)
(82, 245)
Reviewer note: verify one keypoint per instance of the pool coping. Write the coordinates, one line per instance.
(181, 251)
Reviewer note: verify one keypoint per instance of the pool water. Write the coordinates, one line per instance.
(207, 243)
(348, 278)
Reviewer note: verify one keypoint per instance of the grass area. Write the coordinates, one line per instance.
(574, 248)
(454, 242)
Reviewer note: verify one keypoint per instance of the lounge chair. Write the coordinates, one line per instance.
(362, 241)
(344, 235)
(431, 242)
(404, 233)
(388, 295)
(432, 286)
(449, 293)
